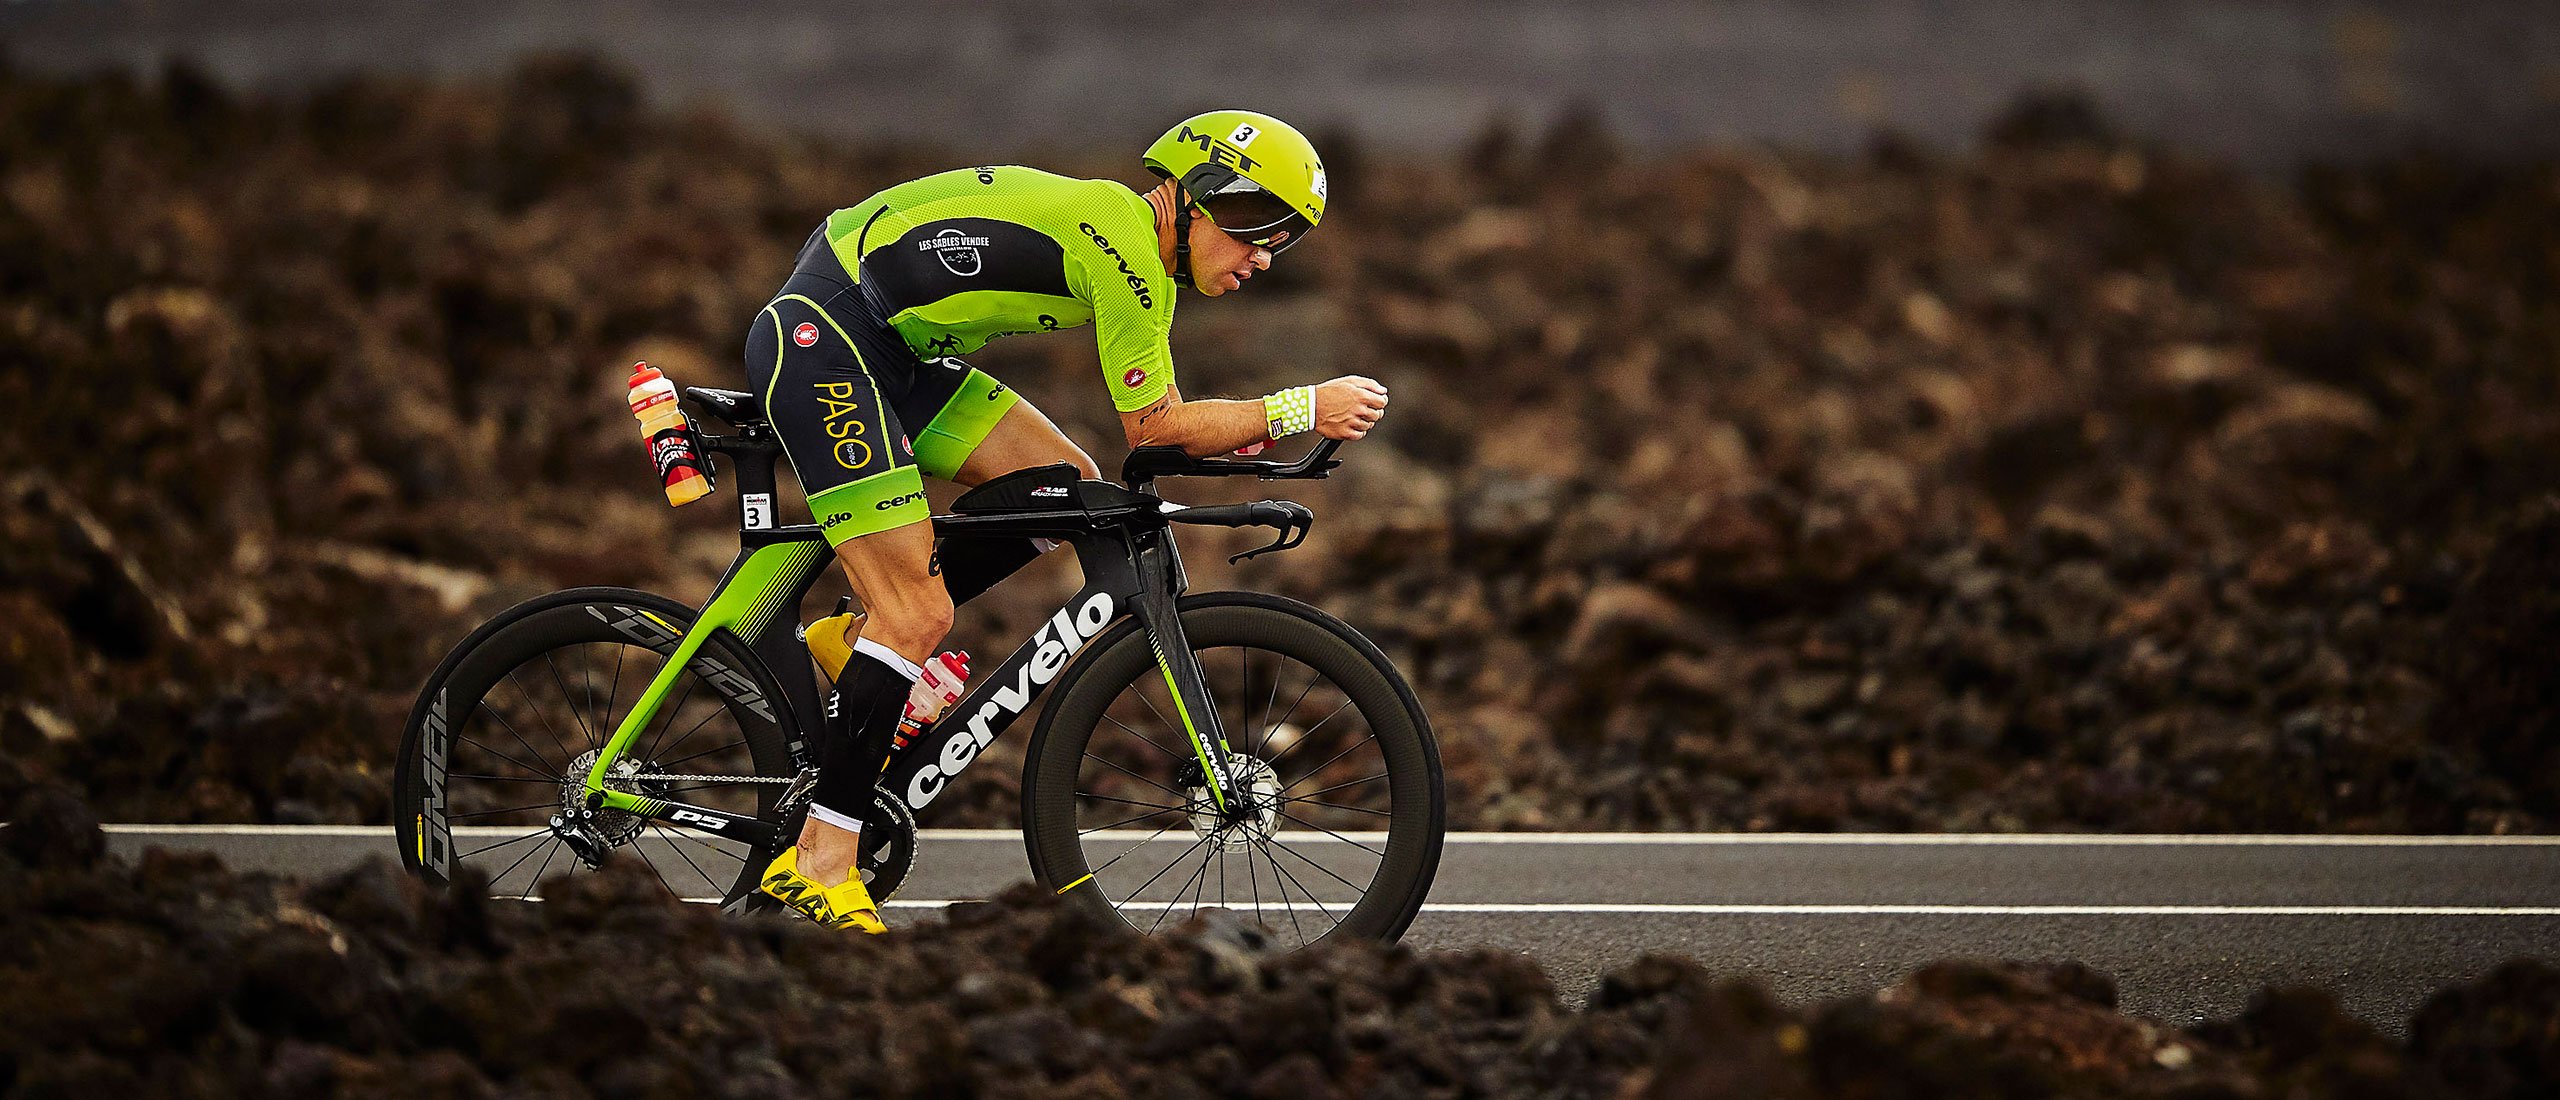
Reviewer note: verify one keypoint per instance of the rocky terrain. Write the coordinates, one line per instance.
(177, 978)
(2070, 483)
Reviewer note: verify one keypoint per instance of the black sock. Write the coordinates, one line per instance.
(973, 565)
(862, 722)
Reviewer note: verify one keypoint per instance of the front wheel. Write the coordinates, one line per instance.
(1339, 830)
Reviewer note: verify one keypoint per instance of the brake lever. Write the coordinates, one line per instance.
(1292, 533)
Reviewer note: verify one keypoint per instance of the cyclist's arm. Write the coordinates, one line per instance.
(1209, 426)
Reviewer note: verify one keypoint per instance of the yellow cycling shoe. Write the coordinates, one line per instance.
(847, 905)
(828, 645)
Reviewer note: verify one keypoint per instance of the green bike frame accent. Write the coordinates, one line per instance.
(766, 581)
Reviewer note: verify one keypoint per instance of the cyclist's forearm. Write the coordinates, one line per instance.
(1201, 428)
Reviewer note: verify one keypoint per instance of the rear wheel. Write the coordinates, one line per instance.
(1340, 830)
(506, 729)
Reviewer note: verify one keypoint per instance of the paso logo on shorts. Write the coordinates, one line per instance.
(805, 335)
(1136, 377)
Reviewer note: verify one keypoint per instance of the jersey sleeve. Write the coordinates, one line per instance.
(1132, 299)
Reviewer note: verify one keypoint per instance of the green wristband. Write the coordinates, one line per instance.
(1290, 411)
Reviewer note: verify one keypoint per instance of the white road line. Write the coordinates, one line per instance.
(2096, 840)
(1920, 910)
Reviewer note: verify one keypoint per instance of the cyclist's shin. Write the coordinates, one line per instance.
(973, 565)
(862, 717)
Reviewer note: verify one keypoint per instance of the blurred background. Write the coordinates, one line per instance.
(1970, 415)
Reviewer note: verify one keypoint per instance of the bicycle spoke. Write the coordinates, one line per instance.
(1177, 860)
(697, 728)
(654, 869)
(613, 694)
(1267, 703)
(1328, 832)
(1124, 821)
(1286, 903)
(1310, 795)
(528, 745)
(1293, 709)
(468, 739)
(1339, 806)
(1200, 875)
(1134, 847)
(502, 778)
(688, 860)
(1329, 872)
(539, 713)
(493, 879)
(1151, 742)
(537, 872)
(1302, 887)
(564, 697)
(587, 681)
(664, 764)
(690, 683)
(1310, 735)
(502, 844)
(1318, 769)
(508, 810)
(1127, 802)
(1136, 776)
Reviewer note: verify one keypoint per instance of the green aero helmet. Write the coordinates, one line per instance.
(1253, 175)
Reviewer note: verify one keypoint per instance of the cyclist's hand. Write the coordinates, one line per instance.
(1347, 407)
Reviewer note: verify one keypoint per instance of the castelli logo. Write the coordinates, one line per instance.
(1136, 377)
(805, 335)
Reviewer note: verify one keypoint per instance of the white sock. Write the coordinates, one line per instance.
(849, 824)
(889, 657)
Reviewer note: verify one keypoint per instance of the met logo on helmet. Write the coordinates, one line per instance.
(1220, 152)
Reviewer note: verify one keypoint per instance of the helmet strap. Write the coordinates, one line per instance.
(1181, 238)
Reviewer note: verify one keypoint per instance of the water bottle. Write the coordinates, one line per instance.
(670, 439)
(935, 690)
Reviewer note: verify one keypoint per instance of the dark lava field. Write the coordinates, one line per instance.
(2065, 483)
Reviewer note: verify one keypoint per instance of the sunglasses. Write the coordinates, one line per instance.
(1241, 209)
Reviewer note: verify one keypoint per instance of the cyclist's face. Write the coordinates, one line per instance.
(1220, 263)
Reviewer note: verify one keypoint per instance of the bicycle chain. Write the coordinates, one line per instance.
(711, 778)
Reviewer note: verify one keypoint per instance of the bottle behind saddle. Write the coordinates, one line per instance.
(670, 438)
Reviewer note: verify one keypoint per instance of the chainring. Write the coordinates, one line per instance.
(888, 844)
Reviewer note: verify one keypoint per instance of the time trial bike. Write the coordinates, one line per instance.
(1197, 750)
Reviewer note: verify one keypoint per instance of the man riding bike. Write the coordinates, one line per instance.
(852, 361)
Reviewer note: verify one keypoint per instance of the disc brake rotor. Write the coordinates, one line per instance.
(1252, 822)
(613, 827)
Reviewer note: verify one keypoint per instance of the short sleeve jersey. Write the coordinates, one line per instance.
(954, 260)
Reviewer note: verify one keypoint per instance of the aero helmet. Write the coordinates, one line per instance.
(1253, 175)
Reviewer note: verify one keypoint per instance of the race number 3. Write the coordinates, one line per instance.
(759, 510)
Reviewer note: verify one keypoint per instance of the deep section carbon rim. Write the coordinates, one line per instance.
(521, 715)
(1342, 801)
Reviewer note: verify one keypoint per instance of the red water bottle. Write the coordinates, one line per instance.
(936, 689)
(670, 439)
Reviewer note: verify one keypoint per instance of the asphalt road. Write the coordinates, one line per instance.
(2189, 926)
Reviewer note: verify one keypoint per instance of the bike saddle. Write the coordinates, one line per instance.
(731, 407)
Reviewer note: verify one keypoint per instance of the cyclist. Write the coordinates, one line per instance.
(853, 361)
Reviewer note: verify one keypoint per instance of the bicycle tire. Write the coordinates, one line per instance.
(1122, 658)
(578, 617)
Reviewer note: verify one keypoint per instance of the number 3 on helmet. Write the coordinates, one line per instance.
(1253, 175)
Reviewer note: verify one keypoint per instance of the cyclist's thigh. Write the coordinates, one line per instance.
(986, 431)
(835, 424)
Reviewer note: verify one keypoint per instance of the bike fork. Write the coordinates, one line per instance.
(1158, 612)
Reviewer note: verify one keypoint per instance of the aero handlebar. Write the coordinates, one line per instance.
(1149, 463)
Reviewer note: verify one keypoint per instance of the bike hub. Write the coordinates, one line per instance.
(601, 828)
(1248, 818)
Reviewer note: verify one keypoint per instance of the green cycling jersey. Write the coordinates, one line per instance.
(956, 259)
